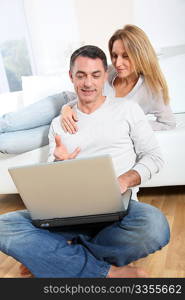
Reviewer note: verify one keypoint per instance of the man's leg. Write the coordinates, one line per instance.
(143, 231)
(45, 253)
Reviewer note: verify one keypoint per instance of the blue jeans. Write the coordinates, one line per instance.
(47, 253)
(28, 128)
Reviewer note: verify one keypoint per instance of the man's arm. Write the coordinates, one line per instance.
(129, 179)
(149, 160)
(148, 155)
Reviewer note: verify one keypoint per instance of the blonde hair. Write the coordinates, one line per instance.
(143, 58)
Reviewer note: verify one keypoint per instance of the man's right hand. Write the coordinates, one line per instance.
(61, 152)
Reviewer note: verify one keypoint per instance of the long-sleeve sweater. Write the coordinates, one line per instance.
(118, 128)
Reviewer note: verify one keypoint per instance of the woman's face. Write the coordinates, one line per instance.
(120, 60)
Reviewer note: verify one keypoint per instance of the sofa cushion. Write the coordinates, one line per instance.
(38, 87)
(10, 102)
(172, 143)
(9, 160)
(173, 69)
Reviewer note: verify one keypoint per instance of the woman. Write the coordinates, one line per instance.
(134, 74)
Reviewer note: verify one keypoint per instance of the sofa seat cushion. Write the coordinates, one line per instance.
(7, 161)
(172, 144)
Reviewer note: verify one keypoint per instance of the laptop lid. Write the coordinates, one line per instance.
(72, 190)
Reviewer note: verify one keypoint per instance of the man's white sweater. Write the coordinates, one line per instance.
(117, 128)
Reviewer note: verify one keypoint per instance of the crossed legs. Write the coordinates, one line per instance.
(102, 254)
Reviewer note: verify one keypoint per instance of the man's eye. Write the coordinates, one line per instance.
(96, 76)
(80, 76)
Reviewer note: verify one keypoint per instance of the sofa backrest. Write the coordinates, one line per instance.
(173, 68)
(37, 87)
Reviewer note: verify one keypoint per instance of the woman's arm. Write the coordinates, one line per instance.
(37, 114)
(164, 117)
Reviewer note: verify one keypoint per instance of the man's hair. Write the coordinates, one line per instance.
(91, 52)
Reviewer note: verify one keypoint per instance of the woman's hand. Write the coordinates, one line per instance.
(61, 152)
(68, 119)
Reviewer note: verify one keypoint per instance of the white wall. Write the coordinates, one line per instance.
(53, 32)
(58, 27)
(162, 20)
(98, 19)
(164, 23)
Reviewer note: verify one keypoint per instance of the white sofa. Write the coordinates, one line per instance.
(172, 145)
(172, 142)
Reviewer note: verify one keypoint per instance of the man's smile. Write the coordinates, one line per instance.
(88, 92)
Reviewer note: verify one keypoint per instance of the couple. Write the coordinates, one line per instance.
(105, 125)
(134, 75)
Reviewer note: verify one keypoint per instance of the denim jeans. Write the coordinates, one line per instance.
(27, 128)
(47, 253)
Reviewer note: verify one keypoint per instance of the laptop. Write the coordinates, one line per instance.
(71, 192)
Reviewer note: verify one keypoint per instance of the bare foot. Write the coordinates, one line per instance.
(24, 271)
(126, 272)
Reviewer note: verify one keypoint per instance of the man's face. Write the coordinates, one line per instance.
(88, 76)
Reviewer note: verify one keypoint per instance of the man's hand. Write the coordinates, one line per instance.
(129, 179)
(123, 185)
(61, 152)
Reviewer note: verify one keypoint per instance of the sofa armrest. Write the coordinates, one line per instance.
(7, 161)
(10, 102)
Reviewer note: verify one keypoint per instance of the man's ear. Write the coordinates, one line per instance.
(71, 76)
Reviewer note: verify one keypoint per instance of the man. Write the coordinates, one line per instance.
(105, 126)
